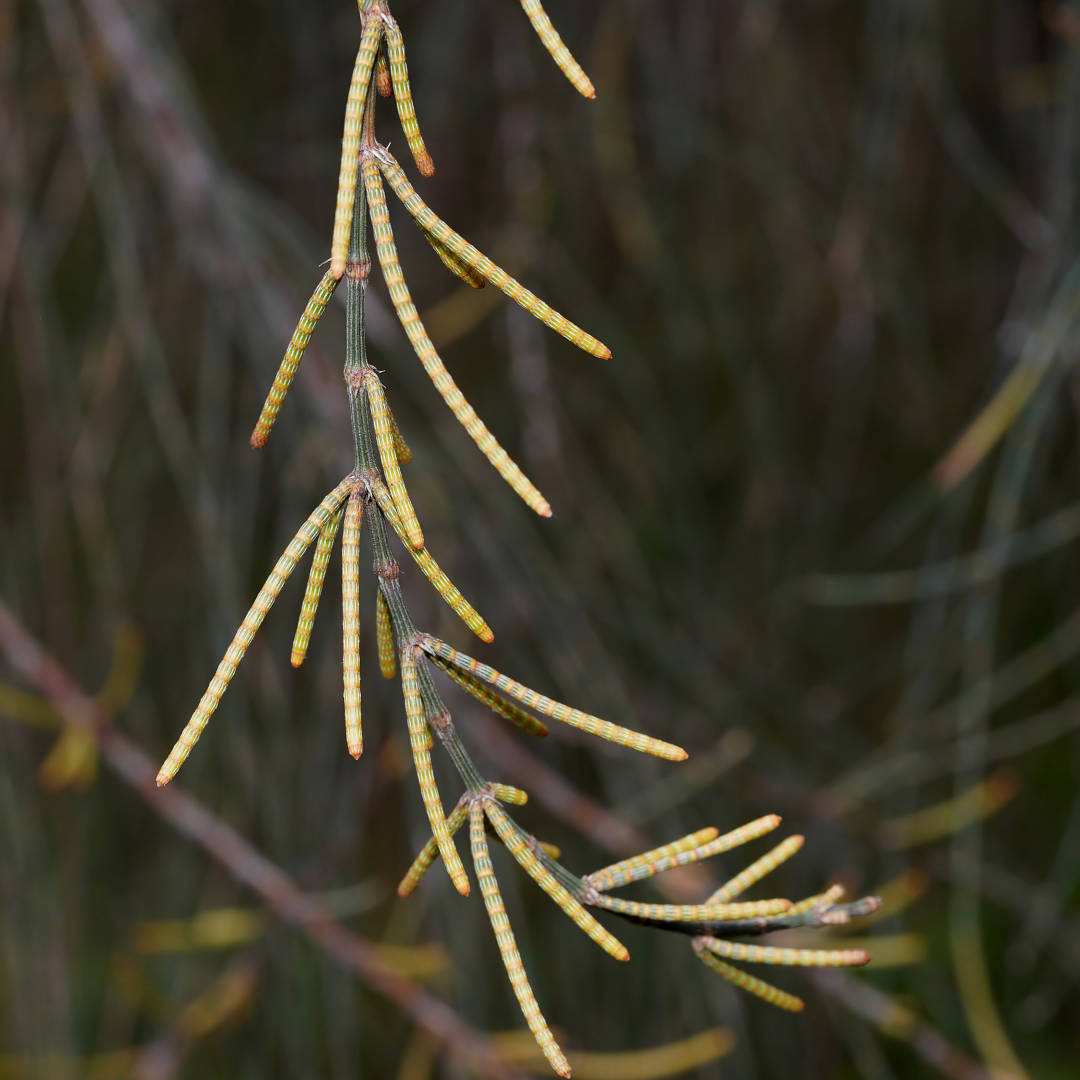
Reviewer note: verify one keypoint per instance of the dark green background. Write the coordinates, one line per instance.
(817, 237)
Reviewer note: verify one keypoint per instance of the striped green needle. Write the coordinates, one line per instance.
(350, 144)
(431, 223)
(573, 908)
(495, 702)
(310, 603)
(291, 360)
(384, 637)
(822, 900)
(350, 622)
(772, 954)
(751, 983)
(549, 36)
(384, 438)
(430, 852)
(307, 535)
(431, 569)
(504, 938)
(399, 77)
(604, 729)
(425, 350)
(691, 912)
(429, 791)
(756, 871)
(627, 870)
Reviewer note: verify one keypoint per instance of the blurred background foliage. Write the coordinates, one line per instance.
(820, 237)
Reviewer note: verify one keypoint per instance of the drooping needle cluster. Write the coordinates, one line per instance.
(365, 162)
(711, 925)
(374, 495)
(721, 917)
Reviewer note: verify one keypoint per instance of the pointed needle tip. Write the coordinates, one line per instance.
(486, 635)
(162, 779)
(296, 661)
(257, 441)
(606, 354)
(355, 754)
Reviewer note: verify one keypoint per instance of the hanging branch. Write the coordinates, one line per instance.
(374, 496)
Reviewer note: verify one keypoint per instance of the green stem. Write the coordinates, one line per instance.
(385, 566)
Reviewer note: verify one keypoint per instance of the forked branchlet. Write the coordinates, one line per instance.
(307, 535)
(720, 918)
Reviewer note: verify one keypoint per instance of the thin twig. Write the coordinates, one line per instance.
(237, 857)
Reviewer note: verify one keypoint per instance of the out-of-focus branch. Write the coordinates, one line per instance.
(237, 857)
(899, 1022)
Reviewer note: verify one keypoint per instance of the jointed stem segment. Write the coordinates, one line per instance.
(430, 568)
(429, 792)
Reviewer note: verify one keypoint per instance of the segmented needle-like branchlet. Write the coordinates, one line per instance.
(307, 534)
(375, 490)
(554, 45)
(712, 924)
(546, 706)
